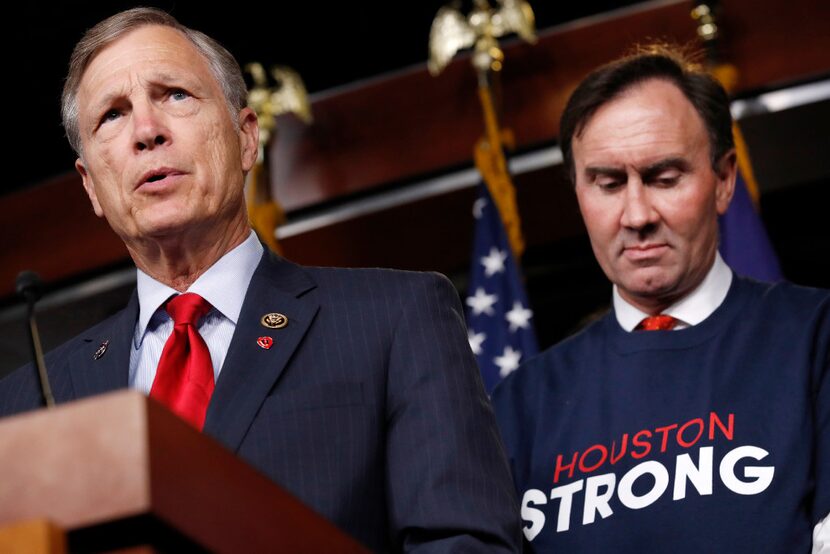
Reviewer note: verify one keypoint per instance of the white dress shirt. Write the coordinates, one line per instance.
(224, 285)
(691, 310)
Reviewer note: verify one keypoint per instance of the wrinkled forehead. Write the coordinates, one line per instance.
(142, 52)
(650, 117)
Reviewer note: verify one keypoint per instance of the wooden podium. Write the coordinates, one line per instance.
(119, 471)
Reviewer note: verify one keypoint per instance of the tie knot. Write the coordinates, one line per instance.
(187, 308)
(660, 322)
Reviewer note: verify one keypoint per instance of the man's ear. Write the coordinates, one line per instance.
(248, 138)
(726, 173)
(89, 186)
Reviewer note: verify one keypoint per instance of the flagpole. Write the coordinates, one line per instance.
(287, 96)
(498, 317)
(744, 242)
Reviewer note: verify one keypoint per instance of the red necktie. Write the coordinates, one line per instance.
(660, 322)
(184, 378)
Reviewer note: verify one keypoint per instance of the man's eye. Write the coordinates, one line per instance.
(110, 115)
(179, 94)
(609, 185)
(668, 181)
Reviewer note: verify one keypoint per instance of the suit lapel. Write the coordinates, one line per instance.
(250, 370)
(102, 363)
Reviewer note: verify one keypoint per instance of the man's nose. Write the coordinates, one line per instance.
(149, 127)
(638, 211)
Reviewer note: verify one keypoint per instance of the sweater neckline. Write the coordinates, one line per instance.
(628, 342)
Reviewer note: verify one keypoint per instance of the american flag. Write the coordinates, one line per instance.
(498, 315)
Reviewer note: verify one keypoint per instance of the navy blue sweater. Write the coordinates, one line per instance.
(714, 438)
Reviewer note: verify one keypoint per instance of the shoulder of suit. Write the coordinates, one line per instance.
(83, 339)
(57, 356)
(388, 287)
(324, 275)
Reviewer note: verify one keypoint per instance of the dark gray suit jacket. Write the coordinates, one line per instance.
(368, 407)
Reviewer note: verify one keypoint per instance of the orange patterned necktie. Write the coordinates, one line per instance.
(660, 322)
(184, 378)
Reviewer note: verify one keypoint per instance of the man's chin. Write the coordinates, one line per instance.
(652, 287)
(164, 229)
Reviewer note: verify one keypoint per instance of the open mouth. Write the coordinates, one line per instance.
(158, 175)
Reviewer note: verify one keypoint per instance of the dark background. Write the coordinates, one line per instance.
(328, 43)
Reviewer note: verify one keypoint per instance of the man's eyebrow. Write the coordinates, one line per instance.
(593, 171)
(649, 172)
(106, 101)
(97, 107)
(160, 78)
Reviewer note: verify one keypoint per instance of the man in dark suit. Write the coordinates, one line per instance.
(353, 389)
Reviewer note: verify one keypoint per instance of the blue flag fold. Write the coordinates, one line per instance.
(498, 314)
(744, 243)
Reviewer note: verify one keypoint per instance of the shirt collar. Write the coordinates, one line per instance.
(224, 285)
(692, 308)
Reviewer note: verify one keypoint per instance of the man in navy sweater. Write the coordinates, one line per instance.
(695, 416)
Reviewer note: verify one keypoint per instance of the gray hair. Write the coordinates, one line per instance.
(221, 62)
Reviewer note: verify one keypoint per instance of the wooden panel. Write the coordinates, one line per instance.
(93, 463)
(52, 229)
(32, 537)
(436, 233)
(394, 129)
(772, 42)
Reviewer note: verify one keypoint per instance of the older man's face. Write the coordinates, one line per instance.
(161, 152)
(648, 193)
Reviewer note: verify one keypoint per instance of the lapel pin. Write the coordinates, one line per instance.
(265, 342)
(102, 349)
(274, 321)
